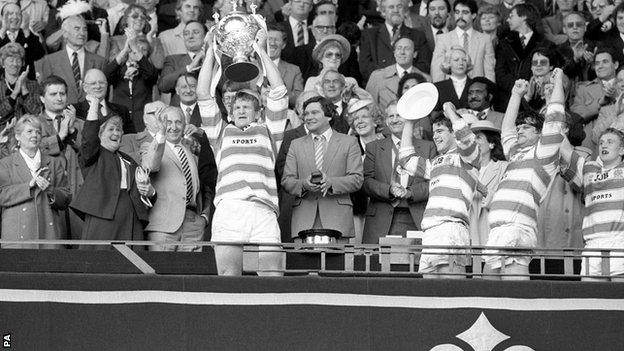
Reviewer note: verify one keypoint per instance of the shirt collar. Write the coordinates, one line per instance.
(389, 28)
(294, 22)
(458, 81)
(327, 134)
(395, 139)
(179, 29)
(51, 116)
(400, 70)
(192, 106)
(460, 32)
(276, 61)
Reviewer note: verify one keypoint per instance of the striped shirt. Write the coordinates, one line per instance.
(245, 158)
(452, 178)
(525, 182)
(603, 190)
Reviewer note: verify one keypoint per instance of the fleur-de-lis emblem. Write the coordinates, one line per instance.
(481, 336)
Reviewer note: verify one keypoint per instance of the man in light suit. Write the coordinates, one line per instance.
(73, 55)
(178, 214)
(291, 74)
(480, 93)
(189, 62)
(326, 203)
(478, 45)
(436, 22)
(397, 201)
(383, 83)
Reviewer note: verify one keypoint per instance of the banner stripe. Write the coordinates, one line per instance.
(323, 299)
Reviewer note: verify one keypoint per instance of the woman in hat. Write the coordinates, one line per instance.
(330, 53)
(493, 166)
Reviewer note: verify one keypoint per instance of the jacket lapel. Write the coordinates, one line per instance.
(21, 168)
(308, 146)
(330, 152)
(169, 152)
(384, 37)
(386, 158)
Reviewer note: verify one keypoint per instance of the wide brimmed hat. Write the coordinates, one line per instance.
(355, 105)
(418, 101)
(343, 43)
(481, 125)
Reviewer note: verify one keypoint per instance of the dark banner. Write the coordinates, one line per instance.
(137, 312)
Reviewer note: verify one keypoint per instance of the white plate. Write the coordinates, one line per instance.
(418, 101)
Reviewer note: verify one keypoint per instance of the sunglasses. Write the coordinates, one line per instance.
(541, 62)
(333, 54)
(578, 24)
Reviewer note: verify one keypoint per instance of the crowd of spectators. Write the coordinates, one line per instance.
(117, 123)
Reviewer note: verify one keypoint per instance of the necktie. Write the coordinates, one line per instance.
(481, 115)
(395, 34)
(76, 69)
(300, 35)
(396, 177)
(58, 120)
(440, 31)
(466, 42)
(319, 151)
(187, 172)
(188, 114)
(522, 39)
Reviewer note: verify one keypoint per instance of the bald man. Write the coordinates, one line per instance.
(95, 84)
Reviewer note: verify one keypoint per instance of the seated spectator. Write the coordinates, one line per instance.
(173, 39)
(456, 64)
(112, 201)
(135, 22)
(95, 84)
(480, 94)
(553, 25)
(335, 88)
(493, 167)
(397, 200)
(291, 74)
(330, 54)
(611, 115)
(383, 82)
(73, 61)
(543, 61)
(489, 22)
(18, 94)
(132, 77)
(34, 188)
(16, 29)
(422, 127)
(576, 52)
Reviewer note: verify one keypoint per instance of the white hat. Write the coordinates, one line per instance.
(418, 101)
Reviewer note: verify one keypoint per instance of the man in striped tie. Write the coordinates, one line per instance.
(179, 214)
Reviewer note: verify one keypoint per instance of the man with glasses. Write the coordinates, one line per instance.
(376, 43)
(576, 51)
(96, 85)
(298, 32)
(553, 25)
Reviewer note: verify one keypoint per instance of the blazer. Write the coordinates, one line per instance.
(302, 57)
(383, 85)
(343, 167)
(291, 75)
(376, 50)
(377, 178)
(480, 50)
(288, 53)
(446, 92)
(82, 108)
(168, 179)
(102, 170)
(31, 213)
(58, 64)
(424, 24)
(173, 68)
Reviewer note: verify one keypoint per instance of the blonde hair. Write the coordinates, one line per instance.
(445, 66)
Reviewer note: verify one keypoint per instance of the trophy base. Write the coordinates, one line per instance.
(242, 71)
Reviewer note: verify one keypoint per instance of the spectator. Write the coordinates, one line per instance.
(96, 35)
(335, 88)
(112, 202)
(576, 52)
(173, 39)
(383, 82)
(614, 39)
(474, 43)
(18, 94)
(16, 29)
(330, 54)
(480, 93)
(610, 115)
(376, 44)
(325, 8)
(351, 67)
(302, 55)
(591, 95)
(452, 181)
(133, 76)
(493, 167)
(602, 25)
(188, 62)
(34, 190)
(73, 61)
(135, 22)
(397, 200)
(96, 85)
(435, 23)
(298, 33)
(422, 127)
(553, 25)
(38, 12)
(131, 143)
(543, 61)
(456, 64)
(291, 74)
(489, 22)
(325, 204)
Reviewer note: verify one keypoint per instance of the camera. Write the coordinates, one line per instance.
(316, 178)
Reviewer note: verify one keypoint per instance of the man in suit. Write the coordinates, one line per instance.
(553, 25)
(73, 61)
(188, 62)
(435, 23)
(397, 201)
(332, 86)
(179, 213)
(291, 74)
(478, 45)
(15, 30)
(376, 43)
(577, 52)
(173, 39)
(325, 203)
(480, 93)
(383, 83)
(96, 85)
(322, 26)
(298, 33)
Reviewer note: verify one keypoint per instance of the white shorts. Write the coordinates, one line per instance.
(447, 234)
(513, 236)
(616, 265)
(244, 221)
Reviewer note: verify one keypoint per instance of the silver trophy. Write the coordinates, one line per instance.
(235, 33)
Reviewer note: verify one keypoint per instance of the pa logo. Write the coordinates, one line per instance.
(482, 336)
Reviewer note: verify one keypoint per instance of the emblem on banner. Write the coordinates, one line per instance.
(482, 336)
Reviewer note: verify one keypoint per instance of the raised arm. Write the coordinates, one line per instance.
(415, 165)
(466, 140)
(508, 126)
(208, 109)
